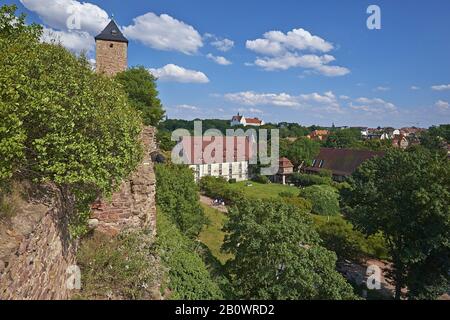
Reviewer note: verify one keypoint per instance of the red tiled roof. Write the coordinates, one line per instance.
(285, 163)
(203, 150)
(253, 120)
(342, 162)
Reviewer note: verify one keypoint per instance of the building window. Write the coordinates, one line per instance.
(111, 45)
(321, 164)
(220, 169)
(209, 169)
(240, 170)
(314, 162)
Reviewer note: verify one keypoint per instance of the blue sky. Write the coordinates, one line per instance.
(311, 62)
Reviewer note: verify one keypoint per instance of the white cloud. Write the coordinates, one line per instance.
(218, 59)
(372, 105)
(250, 110)
(381, 88)
(333, 71)
(252, 98)
(326, 102)
(164, 33)
(441, 87)
(291, 60)
(66, 14)
(174, 73)
(442, 105)
(223, 45)
(275, 42)
(415, 88)
(284, 51)
(186, 107)
(76, 41)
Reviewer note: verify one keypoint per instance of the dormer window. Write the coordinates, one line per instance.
(321, 164)
(314, 162)
(114, 32)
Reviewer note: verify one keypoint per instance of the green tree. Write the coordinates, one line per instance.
(344, 138)
(61, 122)
(300, 151)
(324, 199)
(188, 277)
(277, 254)
(406, 196)
(140, 86)
(177, 195)
(436, 138)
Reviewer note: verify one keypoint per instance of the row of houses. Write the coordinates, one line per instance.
(201, 154)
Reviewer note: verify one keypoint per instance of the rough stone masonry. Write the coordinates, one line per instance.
(36, 249)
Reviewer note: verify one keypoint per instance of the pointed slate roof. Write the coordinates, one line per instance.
(111, 33)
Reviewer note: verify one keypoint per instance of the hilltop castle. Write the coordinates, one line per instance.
(111, 50)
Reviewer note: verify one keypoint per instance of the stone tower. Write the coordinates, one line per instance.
(111, 50)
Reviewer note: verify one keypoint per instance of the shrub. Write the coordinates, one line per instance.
(306, 180)
(187, 276)
(177, 195)
(324, 199)
(59, 121)
(325, 173)
(124, 267)
(261, 179)
(339, 236)
(218, 187)
(232, 181)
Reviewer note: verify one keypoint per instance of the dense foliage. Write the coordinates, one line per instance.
(59, 121)
(187, 276)
(218, 188)
(343, 138)
(140, 87)
(436, 138)
(306, 180)
(277, 254)
(177, 196)
(301, 151)
(406, 196)
(324, 199)
(124, 267)
(339, 235)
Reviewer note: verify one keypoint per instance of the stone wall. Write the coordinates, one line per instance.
(111, 57)
(37, 250)
(133, 205)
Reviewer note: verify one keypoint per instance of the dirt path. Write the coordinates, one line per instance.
(210, 202)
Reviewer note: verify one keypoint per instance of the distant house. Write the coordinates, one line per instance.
(364, 131)
(318, 135)
(240, 120)
(228, 157)
(285, 169)
(400, 141)
(341, 162)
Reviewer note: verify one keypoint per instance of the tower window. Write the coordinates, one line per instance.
(111, 45)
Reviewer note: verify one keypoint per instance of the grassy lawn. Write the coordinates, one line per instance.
(263, 191)
(212, 235)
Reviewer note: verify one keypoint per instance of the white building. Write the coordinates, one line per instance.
(240, 120)
(226, 157)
